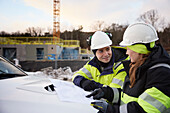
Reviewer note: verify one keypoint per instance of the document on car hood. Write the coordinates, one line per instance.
(69, 92)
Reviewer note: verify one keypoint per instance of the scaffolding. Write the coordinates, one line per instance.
(38, 41)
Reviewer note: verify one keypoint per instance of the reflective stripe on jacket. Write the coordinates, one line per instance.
(152, 101)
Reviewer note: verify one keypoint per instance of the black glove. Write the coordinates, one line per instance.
(88, 85)
(103, 107)
(103, 92)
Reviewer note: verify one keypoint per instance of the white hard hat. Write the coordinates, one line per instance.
(100, 40)
(139, 33)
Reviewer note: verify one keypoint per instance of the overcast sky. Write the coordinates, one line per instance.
(18, 15)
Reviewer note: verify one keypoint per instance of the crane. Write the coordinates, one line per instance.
(56, 20)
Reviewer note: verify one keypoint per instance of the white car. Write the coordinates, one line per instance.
(20, 93)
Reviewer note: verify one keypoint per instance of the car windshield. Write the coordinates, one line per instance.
(8, 68)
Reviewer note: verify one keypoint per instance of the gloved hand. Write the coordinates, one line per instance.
(103, 92)
(102, 106)
(89, 85)
(97, 94)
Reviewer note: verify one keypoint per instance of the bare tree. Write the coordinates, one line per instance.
(49, 29)
(98, 26)
(29, 31)
(117, 32)
(34, 31)
(39, 31)
(152, 17)
(165, 36)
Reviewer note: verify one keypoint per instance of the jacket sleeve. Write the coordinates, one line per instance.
(116, 95)
(120, 74)
(83, 73)
(156, 97)
(77, 80)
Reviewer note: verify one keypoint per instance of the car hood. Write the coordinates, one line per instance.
(27, 95)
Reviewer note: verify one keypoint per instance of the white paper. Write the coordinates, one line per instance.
(69, 92)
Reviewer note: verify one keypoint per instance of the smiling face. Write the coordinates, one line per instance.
(104, 54)
(133, 55)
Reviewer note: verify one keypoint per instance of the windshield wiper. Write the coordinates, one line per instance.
(9, 75)
(2, 72)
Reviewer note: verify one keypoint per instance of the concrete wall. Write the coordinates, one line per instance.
(38, 65)
(20, 51)
(54, 49)
(29, 52)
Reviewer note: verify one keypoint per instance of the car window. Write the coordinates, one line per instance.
(7, 67)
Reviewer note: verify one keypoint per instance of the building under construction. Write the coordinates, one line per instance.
(36, 52)
(42, 50)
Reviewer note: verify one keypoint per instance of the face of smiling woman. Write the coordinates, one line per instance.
(133, 55)
(104, 54)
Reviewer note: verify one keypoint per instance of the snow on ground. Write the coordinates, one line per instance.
(60, 73)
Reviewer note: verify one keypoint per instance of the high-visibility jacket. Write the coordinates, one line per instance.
(151, 92)
(113, 75)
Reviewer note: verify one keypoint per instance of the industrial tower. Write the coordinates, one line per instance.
(56, 20)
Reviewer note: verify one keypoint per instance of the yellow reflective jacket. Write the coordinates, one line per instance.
(113, 75)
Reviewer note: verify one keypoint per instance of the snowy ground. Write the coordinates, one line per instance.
(60, 73)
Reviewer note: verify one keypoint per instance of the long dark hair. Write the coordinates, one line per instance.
(134, 67)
